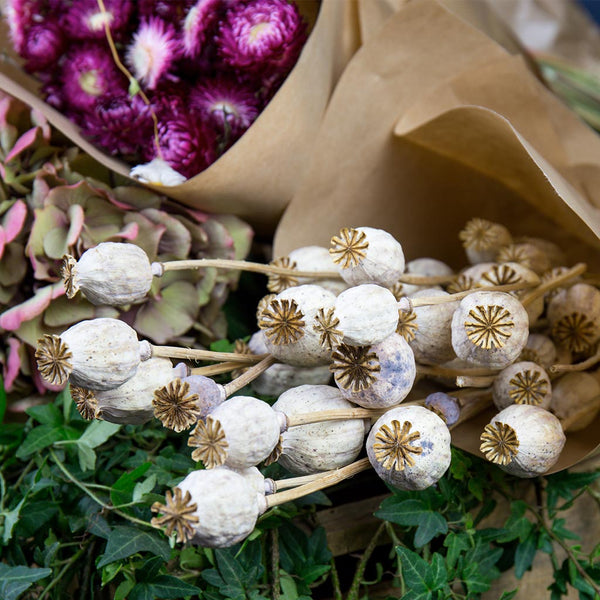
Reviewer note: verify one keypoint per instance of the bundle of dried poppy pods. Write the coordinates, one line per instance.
(515, 329)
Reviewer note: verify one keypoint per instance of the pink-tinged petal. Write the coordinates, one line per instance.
(11, 319)
(4, 109)
(200, 216)
(2, 242)
(13, 363)
(22, 143)
(2, 171)
(76, 218)
(38, 118)
(129, 232)
(14, 219)
(41, 384)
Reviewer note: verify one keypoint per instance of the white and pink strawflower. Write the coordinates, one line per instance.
(20, 15)
(198, 22)
(84, 20)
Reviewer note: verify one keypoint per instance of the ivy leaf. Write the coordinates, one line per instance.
(456, 544)
(46, 414)
(10, 520)
(525, 554)
(43, 436)
(86, 456)
(164, 586)
(517, 526)
(509, 595)
(125, 541)
(559, 529)
(143, 488)
(122, 489)
(15, 580)
(302, 555)
(98, 432)
(565, 485)
(414, 512)
(414, 570)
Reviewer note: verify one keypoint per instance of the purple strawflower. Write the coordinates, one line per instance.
(88, 73)
(444, 405)
(261, 35)
(119, 124)
(153, 51)
(172, 11)
(200, 19)
(84, 20)
(43, 45)
(186, 144)
(53, 94)
(225, 103)
(20, 15)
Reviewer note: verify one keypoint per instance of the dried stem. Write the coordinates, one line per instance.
(225, 367)
(194, 354)
(580, 366)
(440, 371)
(571, 273)
(414, 279)
(292, 482)
(472, 408)
(250, 375)
(463, 381)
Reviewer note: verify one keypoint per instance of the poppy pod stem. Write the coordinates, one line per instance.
(439, 371)
(249, 375)
(476, 382)
(194, 354)
(210, 370)
(555, 282)
(581, 366)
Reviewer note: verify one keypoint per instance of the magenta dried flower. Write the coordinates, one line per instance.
(88, 73)
(43, 45)
(172, 11)
(84, 20)
(226, 103)
(261, 35)
(153, 51)
(20, 15)
(201, 18)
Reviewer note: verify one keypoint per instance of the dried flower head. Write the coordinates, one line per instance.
(398, 290)
(326, 326)
(349, 247)
(500, 443)
(354, 367)
(479, 234)
(490, 327)
(462, 283)
(67, 273)
(528, 387)
(241, 347)
(279, 282)
(501, 275)
(86, 402)
(53, 359)
(516, 253)
(175, 407)
(407, 324)
(282, 322)
(178, 515)
(575, 332)
(277, 451)
(210, 442)
(394, 447)
(263, 304)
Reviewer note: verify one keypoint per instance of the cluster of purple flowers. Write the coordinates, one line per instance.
(207, 67)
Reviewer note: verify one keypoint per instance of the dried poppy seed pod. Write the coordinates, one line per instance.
(574, 397)
(489, 329)
(111, 273)
(526, 254)
(428, 267)
(444, 406)
(523, 440)
(293, 332)
(574, 316)
(317, 258)
(432, 343)
(367, 314)
(483, 239)
(281, 377)
(255, 478)
(318, 446)
(98, 354)
(367, 255)
(522, 383)
(375, 376)
(132, 402)
(239, 433)
(539, 349)
(409, 447)
(215, 508)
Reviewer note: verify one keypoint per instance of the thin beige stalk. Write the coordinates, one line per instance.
(292, 482)
(580, 366)
(211, 370)
(565, 277)
(440, 371)
(249, 376)
(194, 354)
(414, 279)
(474, 406)
(463, 381)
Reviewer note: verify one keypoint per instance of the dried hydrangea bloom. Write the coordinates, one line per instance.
(409, 447)
(576, 400)
(522, 383)
(482, 239)
(523, 440)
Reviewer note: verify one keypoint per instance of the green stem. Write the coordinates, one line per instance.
(26, 470)
(353, 593)
(275, 580)
(61, 574)
(335, 581)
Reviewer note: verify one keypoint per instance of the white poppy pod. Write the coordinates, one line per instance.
(157, 172)
(489, 329)
(321, 446)
(239, 433)
(317, 258)
(111, 273)
(375, 376)
(529, 255)
(522, 383)
(409, 447)
(428, 267)
(227, 507)
(281, 377)
(291, 324)
(576, 400)
(483, 239)
(523, 440)
(98, 354)
(574, 316)
(539, 349)
(253, 476)
(367, 255)
(367, 314)
(432, 343)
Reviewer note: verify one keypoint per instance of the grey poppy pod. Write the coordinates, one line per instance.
(318, 447)
(111, 273)
(445, 406)
(409, 447)
(432, 343)
(576, 400)
(428, 267)
(367, 255)
(574, 317)
(317, 258)
(97, 354)
(483, 239)
(210, 393)
(227, 507)
(239, 433)
(489, 329)
(366, 314)
(292, 325)
(375, 376)
(522, 383)
(281, 377)
(527, 254)
(539, 349)
(523, 440)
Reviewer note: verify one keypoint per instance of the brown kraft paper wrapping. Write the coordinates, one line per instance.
(257, 177)
(433, 123)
